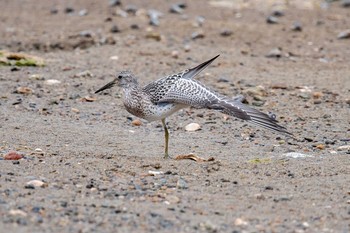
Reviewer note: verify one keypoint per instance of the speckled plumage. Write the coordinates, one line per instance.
(165, 96)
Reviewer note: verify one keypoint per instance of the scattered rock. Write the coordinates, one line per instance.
(172, 199)
(13, 155)
(24, 90)
(297, 27)
(181, 184)
(240, 222)
(187, 48)
(275, 53)
(88, 99)
(154, 16)
(83, 12)
(226, 33)
(52, 82)
(18, 213)
(115, 3)
(154, 35)
(84, 74)
(199, 21)
(154, 173)
(131, 9)
(272, 20)
(176, 9)
(344, 148)
(68, 10)
(197, 35)
(175, 54)
(296, 155)
(256, 92)
(37, 183)
(192, 127)
(136, 122)
(345, 3)
(278, 13)
(114, 29)
(193, 157)
(320, 146)
(121, 13)
(344, 35)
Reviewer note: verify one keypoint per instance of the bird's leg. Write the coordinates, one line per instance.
(166, 132)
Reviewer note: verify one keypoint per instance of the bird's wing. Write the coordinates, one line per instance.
(193, 93)
(157, 89)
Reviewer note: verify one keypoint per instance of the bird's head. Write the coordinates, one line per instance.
(124, 79)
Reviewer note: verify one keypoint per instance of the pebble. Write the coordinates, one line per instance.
(68, 10)
(175, 54)
(36, 183)
(199, 21)
(256, 92)
(121, 13)
(278, 13)
(52, 82)
(84, 74)
(297, 27)
(296, 155)
(181, 184)
(18, 213)
(272, 20)
(192, 127)
(154, 17)
(131, 9)
(197, 35)
(344, 35)
(187, 48)
(12, 155)
(24, 90)
(115, 3)
(114, 58)
(172, 199)
(154, 173)
(83, 12)
(320, 146)
(176, 9)
(343, 148)
(154, 35)
(275, 53)
(240, 222)
(136, 122)
(226, 33)
(345, 3)
(114, 29)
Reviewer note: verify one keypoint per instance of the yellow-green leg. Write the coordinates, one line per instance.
(166, 132)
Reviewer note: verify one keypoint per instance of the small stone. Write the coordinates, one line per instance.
(240, 222)
(296, 155)
(175, 8)
(320, 146)
(131, 9)
(197, 35)
(344, 148)
(12, 155)
(154, 17)
(154, 35)
(37, 183)
(121, 13)
(275, 53)
(18, 213)
(345, 3)
(226, 33)
(297, 27)
(24, 90)
(187, 48)
(115, 3)
(38, 150)
(83, 12)
(181, 184)
(136, 122)
(192, 127)
(175, 54)
(200, 21)
(304, 95)
(272, 20)
(114, 29)
(256, 92)
(344, 35)
(84, 74)
(54, 11)
(88, 99)
(52, 82)
(317, 95)
(114, 58)
(278, 13)
(154, 173)
(172, 199)
(260, 196)
(75, 110)
(68, 10)
(36, 77)
(134, 26)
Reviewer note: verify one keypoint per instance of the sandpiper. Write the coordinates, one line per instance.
(165, 96)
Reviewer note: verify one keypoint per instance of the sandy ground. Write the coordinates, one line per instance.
(101, 173)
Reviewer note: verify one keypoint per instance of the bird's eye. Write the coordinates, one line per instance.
(120, 77)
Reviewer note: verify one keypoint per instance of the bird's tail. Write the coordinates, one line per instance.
(237, 109)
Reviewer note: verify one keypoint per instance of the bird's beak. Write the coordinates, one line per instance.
(107, 86)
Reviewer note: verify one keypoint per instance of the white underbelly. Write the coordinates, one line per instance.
(161, 111)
